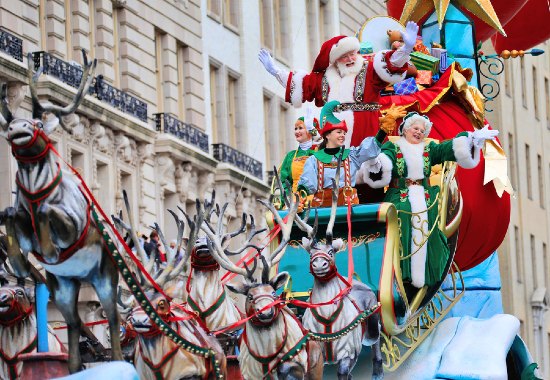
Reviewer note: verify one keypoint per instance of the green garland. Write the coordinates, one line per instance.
(325, 337)
(146, 305)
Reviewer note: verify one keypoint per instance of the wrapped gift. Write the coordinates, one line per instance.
(406, 87)
(365, 48)
(424, 77)
(420, 47)
(424, 61)
(442, 55)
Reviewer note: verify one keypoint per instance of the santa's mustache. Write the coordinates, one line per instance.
(347, 70)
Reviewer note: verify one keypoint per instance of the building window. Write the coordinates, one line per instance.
(268, 132)
(541, 180)
(275, 28)
(283, 129)
(533, 260)
(523, 82)
(159, 65)
(547, 99)
(518, 249)
(214, 106)
(42, 24)
(214, 9)
(183, 60)
(545, 269)
(232, 110)
(266, 24)
(231, 14)
(512, 159)
(528, 169)
(508, 78)
(535, 93)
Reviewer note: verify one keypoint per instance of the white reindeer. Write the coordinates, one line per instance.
(51, 217)
(274, 344)
(156, 355)
(18, 330)
(338, 316)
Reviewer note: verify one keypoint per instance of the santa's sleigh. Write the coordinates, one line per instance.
(408, 315)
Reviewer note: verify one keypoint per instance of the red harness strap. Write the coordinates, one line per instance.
(20, 156)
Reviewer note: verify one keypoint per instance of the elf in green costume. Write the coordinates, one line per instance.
(405, 166)
(306, 129)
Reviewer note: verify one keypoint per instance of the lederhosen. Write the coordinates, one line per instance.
(323, 197)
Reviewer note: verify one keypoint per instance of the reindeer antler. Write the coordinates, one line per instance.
(5, 114)
(39, 109)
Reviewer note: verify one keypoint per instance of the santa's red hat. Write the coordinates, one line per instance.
(333, 49)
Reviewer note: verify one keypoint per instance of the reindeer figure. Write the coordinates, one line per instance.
(157, 356)
(18, 330)
(51, 217)
(207, 295)
(274, 344)
(327, 285)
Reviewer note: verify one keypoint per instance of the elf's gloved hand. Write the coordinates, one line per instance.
(308, 119)
(409, 36)
(373, 165)
(481, 135)
(269, 63)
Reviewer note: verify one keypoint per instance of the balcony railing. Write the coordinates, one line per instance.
(168, 123)
(71, 74)
(225, 153)
(120, 99)
(11, 45)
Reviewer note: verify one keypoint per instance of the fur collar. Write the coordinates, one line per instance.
(413, 156)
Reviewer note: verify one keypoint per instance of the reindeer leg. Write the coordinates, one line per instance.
(17, 260)
(105, 283)
(65, 295)
(54, 224)
(345, 366)
(290, 371)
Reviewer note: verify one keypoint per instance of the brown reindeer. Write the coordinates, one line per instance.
(340, 315)
(274, 343)
(18, 330)
(156, 355)
(51, 217)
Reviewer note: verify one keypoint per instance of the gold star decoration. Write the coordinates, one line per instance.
(416, 9)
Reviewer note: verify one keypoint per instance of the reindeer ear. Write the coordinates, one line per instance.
(306, 243)
(337, 244)
(241, 288)
(279, 280)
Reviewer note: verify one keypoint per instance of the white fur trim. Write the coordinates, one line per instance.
(381, 69)
(297, 95)
(387, 168)
(462, 149)
(413, 156)
(417, 200)
(342, 47)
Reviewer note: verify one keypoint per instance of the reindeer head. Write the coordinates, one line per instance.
(321, 257)
(142, 324)
(260, 295)
(15, 304)
(29, 137)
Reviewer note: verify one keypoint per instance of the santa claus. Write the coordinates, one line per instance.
(341, 73)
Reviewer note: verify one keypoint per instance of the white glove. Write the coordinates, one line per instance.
(269, 63)
(481, 135)
(308, 119)
(409, 37)
(374, 165)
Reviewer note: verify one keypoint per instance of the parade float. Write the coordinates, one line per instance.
(323, 286)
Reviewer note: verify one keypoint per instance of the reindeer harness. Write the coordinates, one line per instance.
(25, 154)
(11, 362)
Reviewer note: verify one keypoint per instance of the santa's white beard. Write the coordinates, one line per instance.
(344, 70)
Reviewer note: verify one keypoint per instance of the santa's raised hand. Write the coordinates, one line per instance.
(409, 36)
(271, 67)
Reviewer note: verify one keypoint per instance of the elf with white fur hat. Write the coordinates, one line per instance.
(405, 166)
(341, 73)
(306, 132)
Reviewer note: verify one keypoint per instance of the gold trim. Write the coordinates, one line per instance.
(419, 296)
(449, 187)
(391, 269)
(397, 348)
